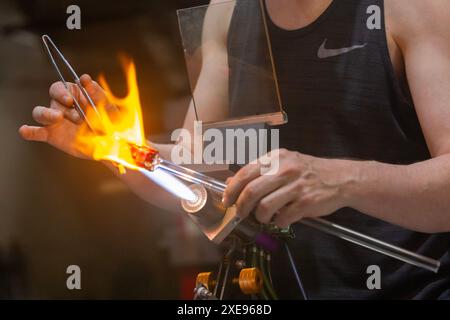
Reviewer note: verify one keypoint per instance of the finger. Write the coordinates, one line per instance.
(85, 80)
(98, 95)
(60, 93)
(273, 203)
(254, 191)
(238, 182)
(32, 133)
(73, 115)
(70, 114)
(92, 88)
(46, 116)
(288, 215)
(94, 91)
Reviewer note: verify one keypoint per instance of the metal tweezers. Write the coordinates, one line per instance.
(48, 42)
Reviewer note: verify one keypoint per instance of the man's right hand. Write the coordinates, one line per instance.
(60, 122)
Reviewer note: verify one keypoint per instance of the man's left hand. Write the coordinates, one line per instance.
(302, 186)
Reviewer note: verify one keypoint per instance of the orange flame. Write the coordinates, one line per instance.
(119, 136)
(119, 123)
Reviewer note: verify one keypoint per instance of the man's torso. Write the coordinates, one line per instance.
(342, 87)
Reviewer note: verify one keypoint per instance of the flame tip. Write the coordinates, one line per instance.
(128, 128)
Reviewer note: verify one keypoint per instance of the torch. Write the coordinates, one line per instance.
(202, 201)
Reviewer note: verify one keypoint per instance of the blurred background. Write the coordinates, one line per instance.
(57, 211)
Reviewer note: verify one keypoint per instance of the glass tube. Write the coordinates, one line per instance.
(316, 223)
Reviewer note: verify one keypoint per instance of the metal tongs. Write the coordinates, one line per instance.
(188, 175)
(48, 42)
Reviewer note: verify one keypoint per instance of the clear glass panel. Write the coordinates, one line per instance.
(230, 64)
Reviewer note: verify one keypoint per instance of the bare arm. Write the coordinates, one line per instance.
(414, 196)
(417, 196)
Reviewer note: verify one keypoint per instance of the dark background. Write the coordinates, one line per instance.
(55, 210)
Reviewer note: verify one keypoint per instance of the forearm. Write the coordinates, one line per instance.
(413, 196)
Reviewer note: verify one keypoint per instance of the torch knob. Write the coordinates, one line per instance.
(250, 281)
(206, 279)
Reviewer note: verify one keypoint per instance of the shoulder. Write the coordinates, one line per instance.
(412, 20)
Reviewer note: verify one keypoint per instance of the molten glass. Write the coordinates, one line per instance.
(145, 156)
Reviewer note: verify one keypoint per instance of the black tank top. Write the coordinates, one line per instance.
(340, 105)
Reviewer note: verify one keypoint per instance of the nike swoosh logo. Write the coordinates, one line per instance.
(324, 53)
